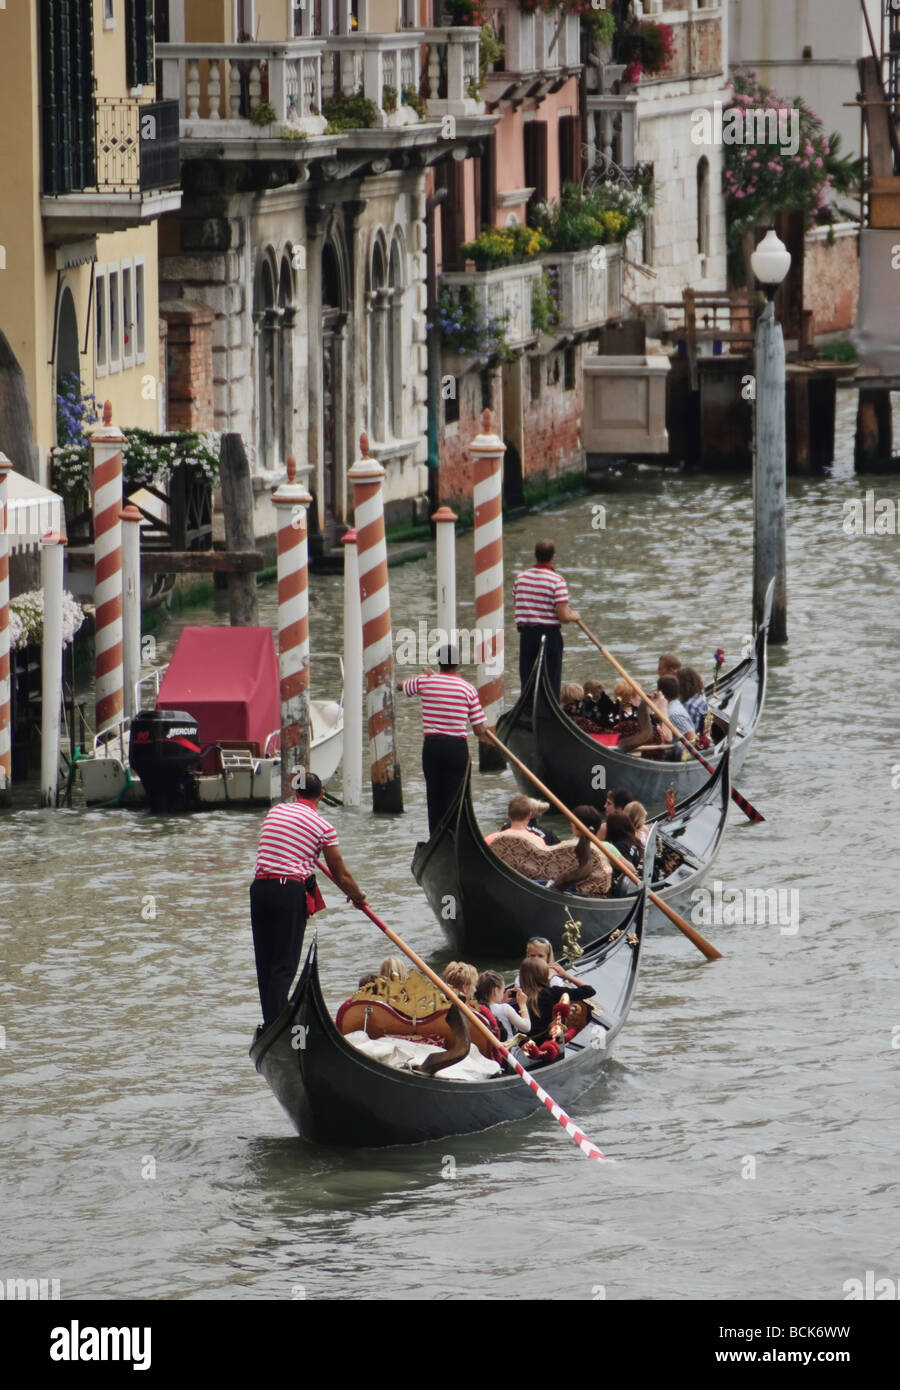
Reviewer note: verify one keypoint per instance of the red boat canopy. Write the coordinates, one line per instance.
(227, 678)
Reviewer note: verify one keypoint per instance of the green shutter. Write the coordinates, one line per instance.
(139, 42)
(67, 95)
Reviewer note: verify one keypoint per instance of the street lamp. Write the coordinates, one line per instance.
(771, 262)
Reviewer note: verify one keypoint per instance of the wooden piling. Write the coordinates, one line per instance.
(769, 475)
(237, 508)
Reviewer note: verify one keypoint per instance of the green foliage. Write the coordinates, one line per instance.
(606, 213)
(838, 352)
(410, 97)
(389, 99)
(469, 330)
(490, 51)
(147, 458)
(465, 12)
(263, 113)
(602, 24)
(544, 306)
(497, 246)
(356, 112)
(290, 133)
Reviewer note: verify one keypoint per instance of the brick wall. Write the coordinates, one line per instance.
(831, 278)
(190, 364)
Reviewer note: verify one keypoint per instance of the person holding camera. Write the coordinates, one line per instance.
(508, 1005)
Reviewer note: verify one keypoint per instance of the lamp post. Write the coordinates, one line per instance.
(771, 262)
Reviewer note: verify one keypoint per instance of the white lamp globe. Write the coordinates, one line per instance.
(771, 262)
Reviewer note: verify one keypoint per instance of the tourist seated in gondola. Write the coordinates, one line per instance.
(668, 665)
(692, 696)
(571, 696)
(539, 948)
(620, 834)
(394, 968)
(511, 1013)
(463, 979)
(585, 869)
(587, 872)
(523, 814)
(542, 998)
(637, 814)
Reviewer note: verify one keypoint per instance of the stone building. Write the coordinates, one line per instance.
(303, 229)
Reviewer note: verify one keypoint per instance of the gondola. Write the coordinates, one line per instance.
(334, 1094)
(573, 765)
(487, 908)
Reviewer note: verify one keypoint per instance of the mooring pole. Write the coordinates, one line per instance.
(53, 547)
(106, 456)
(367, 476)
(353, 674)
(291, 500)
(769, 475)
(445, 563)
(488, 450)
(131, 604)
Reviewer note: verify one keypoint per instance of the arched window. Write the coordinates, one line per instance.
(266, 321)
(395, 334)
(703, 206)
(285, 401)
(378, 343)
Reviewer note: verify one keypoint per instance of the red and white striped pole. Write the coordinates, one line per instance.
(445, 563)
(53, 547)
(353, 674)
(291, 500)
(488, 450)
(367, 476)
(131, 604)
(106, 455)
(5, 707)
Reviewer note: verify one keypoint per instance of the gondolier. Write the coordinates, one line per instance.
(541, 601)
(448, 704)
(284, 891)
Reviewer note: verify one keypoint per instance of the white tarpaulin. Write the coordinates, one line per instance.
(877, 335)
(32, 512)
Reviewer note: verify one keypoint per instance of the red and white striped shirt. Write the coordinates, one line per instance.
(447, 702)
(536, 593)
(292, 836)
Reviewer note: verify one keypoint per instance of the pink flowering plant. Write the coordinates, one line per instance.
(762, 178)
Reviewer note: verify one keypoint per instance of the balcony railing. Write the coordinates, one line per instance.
(534, 42)
(451, 67)
(135, 150)
(587, 286)
(215, 83)
(371, 62)
(504, 295)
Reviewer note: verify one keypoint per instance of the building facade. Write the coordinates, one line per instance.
(88, 163)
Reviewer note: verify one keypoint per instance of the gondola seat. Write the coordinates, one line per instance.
(525, 853)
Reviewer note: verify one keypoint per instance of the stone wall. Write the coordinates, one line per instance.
(831, 277)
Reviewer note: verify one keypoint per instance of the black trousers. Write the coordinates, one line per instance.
(278, 918)
(529, 646)
(444, 763)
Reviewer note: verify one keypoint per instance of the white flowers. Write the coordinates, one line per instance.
(26, 618)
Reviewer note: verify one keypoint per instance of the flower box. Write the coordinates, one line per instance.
(504, 293)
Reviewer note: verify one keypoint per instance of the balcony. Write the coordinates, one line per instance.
(541, 51)
(118, 171)
(504, 296)
(218, 87)
(697, 37)
(587, 286)
(451, 67)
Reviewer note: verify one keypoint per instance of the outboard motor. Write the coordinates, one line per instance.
(163, 747)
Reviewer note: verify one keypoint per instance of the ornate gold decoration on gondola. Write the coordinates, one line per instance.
(571, 938)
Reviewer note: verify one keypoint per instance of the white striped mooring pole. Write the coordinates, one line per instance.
(353, 674)
(445, 562)
(367, 476)
(5, 708)
(291, 500)
(106, 456)
(53, 548)
(488, 449)
(131, 603)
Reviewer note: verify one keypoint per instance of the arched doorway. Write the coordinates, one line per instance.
(68, 359)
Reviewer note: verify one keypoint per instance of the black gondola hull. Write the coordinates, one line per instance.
(335, 1094)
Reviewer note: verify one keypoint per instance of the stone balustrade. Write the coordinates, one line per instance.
(218, 83)
(503, 295)
(451, 65)
(587, 286)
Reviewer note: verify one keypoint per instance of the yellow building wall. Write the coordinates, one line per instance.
(210, 20)
(28, 284)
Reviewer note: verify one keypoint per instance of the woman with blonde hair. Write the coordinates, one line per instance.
(637, 814)
(460, 977)
(394, 968)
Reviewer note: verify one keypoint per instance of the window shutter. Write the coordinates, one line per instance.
(536, 160)
(488, 183)
(569, 150)
(138, 42)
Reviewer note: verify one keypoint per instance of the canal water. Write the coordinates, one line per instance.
(752, 1104)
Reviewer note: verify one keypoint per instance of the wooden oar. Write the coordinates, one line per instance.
(556, 1111)
(749, 811)
(611, 853)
